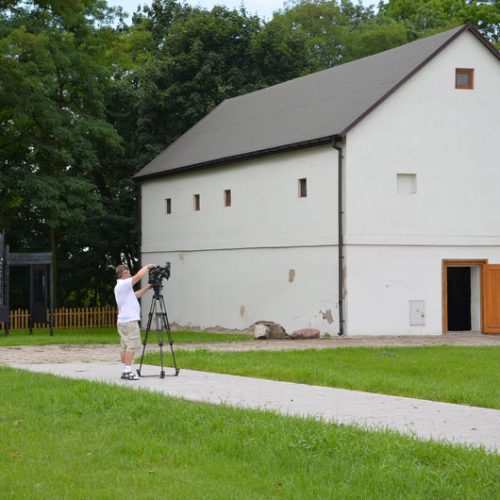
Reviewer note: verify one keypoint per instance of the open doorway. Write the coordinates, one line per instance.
(459, 299)
(462, 296)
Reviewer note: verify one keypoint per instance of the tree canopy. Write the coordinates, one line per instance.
(88, 98)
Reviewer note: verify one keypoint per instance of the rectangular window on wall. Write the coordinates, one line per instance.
(303, 188)
(464, 78)
(227, 198)
(196, 203)
(168, 205)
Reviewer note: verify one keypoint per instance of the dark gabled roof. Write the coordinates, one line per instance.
(307, 110)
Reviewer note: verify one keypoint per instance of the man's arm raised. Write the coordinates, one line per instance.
(141, 273)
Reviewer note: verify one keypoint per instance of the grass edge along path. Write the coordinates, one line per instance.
(63, 438)
(108, 335)
(453, 374)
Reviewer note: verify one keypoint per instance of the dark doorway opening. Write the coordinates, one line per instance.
(459, 299)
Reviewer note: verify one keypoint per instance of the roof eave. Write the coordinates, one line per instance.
(236, 158)
(484, 41)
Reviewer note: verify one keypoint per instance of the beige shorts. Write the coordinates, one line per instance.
(130, 336)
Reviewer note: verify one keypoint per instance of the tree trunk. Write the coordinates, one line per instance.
(53, 249)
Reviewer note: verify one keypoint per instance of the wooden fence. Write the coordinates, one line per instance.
(66, 317)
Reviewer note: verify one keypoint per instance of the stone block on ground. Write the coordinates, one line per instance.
(260, 332)
(268, 330)
(305, 333)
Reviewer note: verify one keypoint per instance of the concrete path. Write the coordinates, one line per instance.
(457, 424)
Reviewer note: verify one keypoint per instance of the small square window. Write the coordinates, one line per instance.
(303, 188)
(227, 198)
(196, 203)
(168, 205)
(407, 183)
(464, 78)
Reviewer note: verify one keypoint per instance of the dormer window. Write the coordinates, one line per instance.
(464, 78)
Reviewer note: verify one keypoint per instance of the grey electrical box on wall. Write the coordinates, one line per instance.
(417, 312)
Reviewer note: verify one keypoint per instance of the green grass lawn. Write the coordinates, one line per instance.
(41, 336)
(70, 439)
(467, 375)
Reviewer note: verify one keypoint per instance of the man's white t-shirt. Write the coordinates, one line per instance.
(129, 308)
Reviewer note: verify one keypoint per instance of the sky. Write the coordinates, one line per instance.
(263, 8)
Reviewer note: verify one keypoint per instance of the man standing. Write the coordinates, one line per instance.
(129, 314)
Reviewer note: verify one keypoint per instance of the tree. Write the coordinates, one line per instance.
(281, 53)
(375, 35)
(52, 119)
(327, 26)
(424, 17)
(199, 58)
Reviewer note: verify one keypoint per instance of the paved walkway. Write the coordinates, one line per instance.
(70, 353)
(458, 424)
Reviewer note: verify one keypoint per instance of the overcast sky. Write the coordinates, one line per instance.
(263, 8)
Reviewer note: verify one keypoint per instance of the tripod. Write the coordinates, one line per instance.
(163, 326)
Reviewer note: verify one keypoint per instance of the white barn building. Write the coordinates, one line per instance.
(360, 200)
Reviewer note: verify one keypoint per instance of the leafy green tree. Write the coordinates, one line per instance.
(424, 17)
(281, 53)
(328, 27)
(373, 36)
(52, 119)
(199, 59)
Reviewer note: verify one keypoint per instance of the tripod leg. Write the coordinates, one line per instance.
(160, 344)
(160, 338)
(148, 328)
(169, 334)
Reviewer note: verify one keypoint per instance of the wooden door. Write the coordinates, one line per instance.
(491, 298)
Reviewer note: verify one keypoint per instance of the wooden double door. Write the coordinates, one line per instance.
(471, 296)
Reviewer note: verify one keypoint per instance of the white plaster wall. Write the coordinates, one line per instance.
(266, 210)
(383, 279)
(448, 138)
(395, 243)
(270, 256)
(296, 287)
(476, 297)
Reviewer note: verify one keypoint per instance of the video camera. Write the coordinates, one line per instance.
(157, 273)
